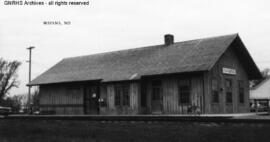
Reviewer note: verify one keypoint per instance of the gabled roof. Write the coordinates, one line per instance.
(262, 90)
(260, 84)
(132, 64)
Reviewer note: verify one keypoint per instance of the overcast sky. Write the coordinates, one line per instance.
(123, 24)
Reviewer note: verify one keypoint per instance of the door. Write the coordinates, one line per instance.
(156, 101)
(229, 95)
(91, 100)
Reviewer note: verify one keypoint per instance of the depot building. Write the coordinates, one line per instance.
(208, 75)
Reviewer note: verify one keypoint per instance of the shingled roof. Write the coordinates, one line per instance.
(132, 64)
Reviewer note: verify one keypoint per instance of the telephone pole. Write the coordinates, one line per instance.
(30, 62)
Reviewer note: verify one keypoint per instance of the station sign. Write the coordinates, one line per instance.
(228, 71)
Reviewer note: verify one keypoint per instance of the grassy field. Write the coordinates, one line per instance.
(82, 131)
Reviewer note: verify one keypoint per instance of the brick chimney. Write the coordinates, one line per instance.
(168, 39)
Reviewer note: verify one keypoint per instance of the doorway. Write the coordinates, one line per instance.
(229, 95)
(156, 101)
(91, 100)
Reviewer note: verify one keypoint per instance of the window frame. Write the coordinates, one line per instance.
(229, 91)
(184, 97)
(214, 91)
(122, 95)
(117, 95)
(241, 92)
(157, 86)
(126, 95)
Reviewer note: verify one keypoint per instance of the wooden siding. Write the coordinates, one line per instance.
(228, 60)
(170, 94)
(108, 93)
(61, 99)
(65, 101)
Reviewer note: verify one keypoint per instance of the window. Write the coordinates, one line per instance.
(121, 95)
(156, 89)
(125, 95)
(183, 92)
(73, 90)
(229, 97)
(241, 91)
(215, 95)
(143, 94)
(228, 86)
(117, 97)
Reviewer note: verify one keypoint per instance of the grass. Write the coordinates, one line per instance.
(85, 131)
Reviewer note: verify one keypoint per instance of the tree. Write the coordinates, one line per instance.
(8, 76)
(265, 72)
(35, 101)
(35, 98)
(15, 102)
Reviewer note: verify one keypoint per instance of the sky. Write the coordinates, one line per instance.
(104, 26)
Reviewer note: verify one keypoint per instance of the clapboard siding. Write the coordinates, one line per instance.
(61, 99)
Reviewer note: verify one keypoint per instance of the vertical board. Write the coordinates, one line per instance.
(171, 96)
(111, 109)
(59, 99)
(231, 61)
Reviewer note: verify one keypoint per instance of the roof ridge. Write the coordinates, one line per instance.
(213, 64)
(157, 45)
(109, 52)
(185, 56)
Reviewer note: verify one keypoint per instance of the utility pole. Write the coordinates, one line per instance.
(29, 87)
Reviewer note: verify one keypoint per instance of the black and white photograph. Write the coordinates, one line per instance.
(134, 71)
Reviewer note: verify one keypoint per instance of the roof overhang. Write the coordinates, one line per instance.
(246, 60)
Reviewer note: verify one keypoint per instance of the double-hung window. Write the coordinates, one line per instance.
(241, 92)
(122, 95)
(184, 92)
(215, 95)
(229, 95)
